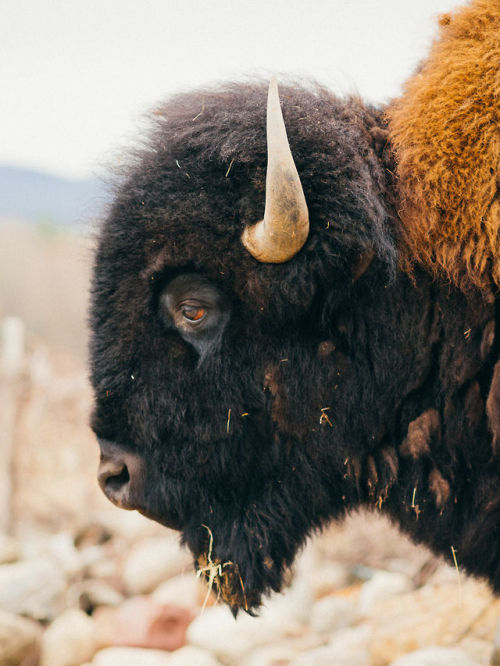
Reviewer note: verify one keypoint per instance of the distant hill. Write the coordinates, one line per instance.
(39, 197)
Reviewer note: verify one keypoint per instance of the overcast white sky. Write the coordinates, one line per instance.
(77, 75)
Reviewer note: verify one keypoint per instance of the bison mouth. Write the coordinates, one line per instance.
(169, 520)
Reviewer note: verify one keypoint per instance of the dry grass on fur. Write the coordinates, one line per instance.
(445, 134)
(222, 576)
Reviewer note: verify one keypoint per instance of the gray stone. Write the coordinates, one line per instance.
(70, 640)
(435, 656)
(33, 587)
(19, 639)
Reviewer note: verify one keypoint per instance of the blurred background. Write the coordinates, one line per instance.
(80, 581)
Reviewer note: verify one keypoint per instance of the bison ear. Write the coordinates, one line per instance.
(285, 227)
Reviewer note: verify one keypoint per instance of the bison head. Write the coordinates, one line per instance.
(235, 397)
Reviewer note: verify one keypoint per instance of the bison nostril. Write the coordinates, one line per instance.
(114, 478)
(115, 481)
(121, 475)
(123, 478)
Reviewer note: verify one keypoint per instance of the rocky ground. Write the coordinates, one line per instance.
(82, 583)
(118, 594)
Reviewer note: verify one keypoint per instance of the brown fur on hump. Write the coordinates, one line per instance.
(445, 134)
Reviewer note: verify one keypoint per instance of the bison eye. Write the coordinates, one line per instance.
(193, 312)
(196, 308)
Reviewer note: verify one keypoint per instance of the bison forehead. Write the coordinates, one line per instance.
(201, 180)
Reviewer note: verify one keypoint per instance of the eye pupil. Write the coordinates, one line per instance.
(193, 313)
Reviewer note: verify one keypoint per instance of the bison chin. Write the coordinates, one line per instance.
(240, 581)
(243, 560)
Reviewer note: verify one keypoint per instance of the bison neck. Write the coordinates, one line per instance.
(431, 461)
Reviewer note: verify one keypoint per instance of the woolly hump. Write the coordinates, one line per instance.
(445, 133)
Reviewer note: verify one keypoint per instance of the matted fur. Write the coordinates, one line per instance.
(445, 133)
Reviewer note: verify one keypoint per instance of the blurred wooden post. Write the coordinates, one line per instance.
(12, 351)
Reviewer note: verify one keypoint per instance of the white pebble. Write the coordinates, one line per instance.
(332, 613)
(152, 561)
(435, 656)
(383, 585)
(184, 590)
(192, 656)
(118, 656)
(70, 640)
(33, 587)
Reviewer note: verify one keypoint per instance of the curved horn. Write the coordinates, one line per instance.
(285, 227)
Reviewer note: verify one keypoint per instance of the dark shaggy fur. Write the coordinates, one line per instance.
(323, 392)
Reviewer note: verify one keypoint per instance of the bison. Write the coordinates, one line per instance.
(286, 330)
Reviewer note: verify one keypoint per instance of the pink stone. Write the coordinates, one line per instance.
(142, 622)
